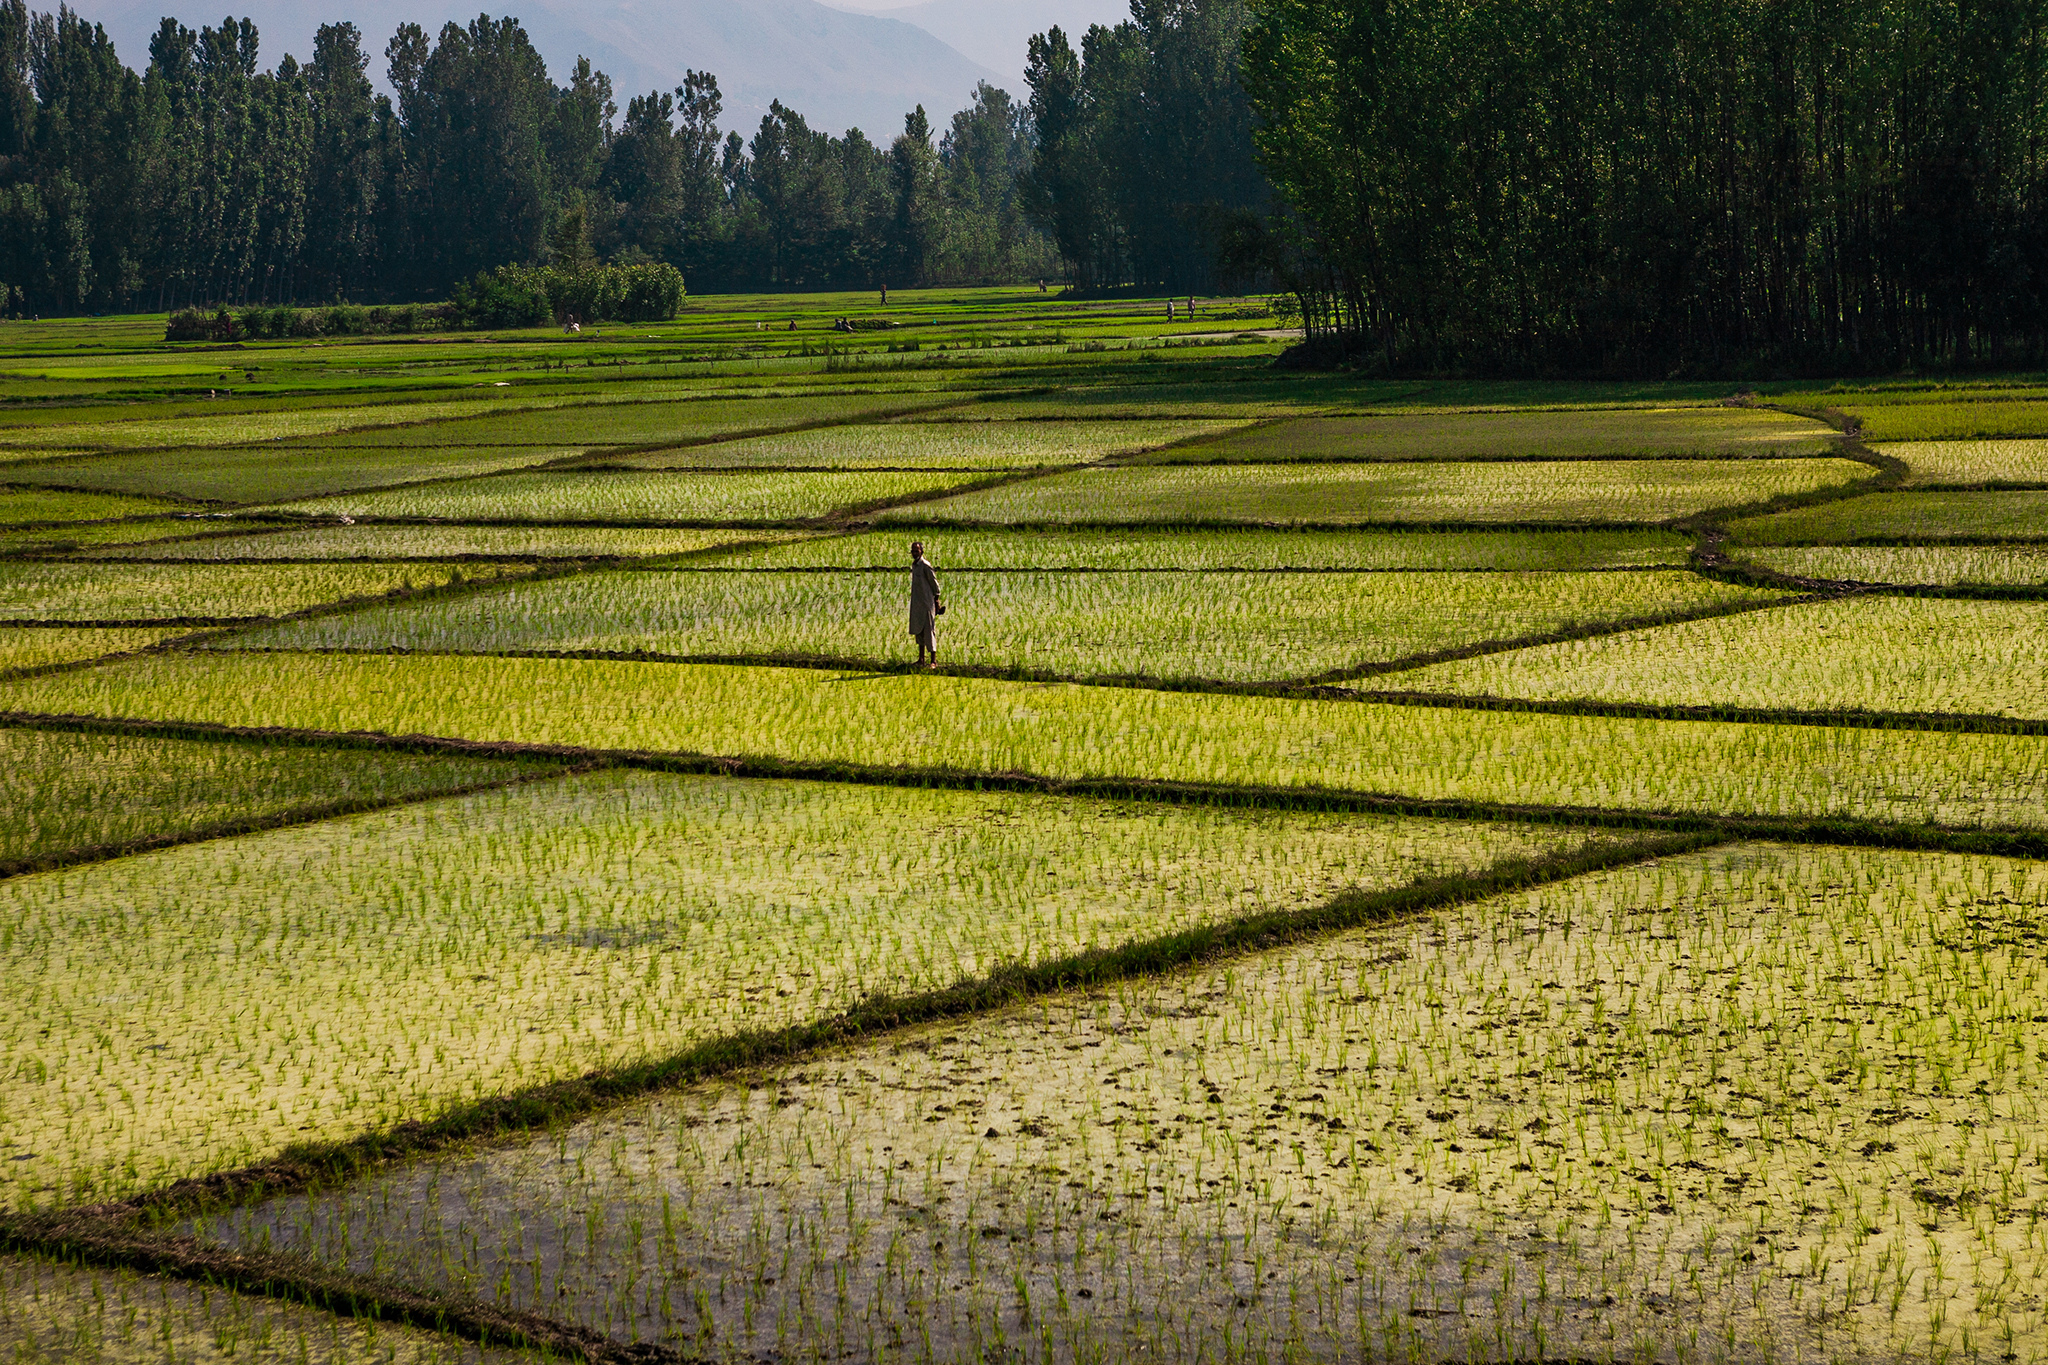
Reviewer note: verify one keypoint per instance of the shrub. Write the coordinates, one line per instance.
(648, 293)
(195, 324)
(519, 296)
(510, 296)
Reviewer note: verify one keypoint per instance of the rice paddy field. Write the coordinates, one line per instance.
(1431, 491)
(1381, 870)
(1210, 625)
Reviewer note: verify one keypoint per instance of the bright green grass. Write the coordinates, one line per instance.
(1665, 433)
(1949, 421)
(386, 964)
(268, 473)
(1914, 564)
(1066, 731)
(1864, 654)
(1771, 1095)
(39, 647)
(1902, 516)
(933, 445)
(451, 542)
(31, 506)
(63, 792)
(54, 1314)
(1540, 492)
(71, 591)
(1972, 462)
(1235, 627)
(1202, 550)
(743, 496)
(61, 538)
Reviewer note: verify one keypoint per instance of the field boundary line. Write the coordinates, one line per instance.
(219, 627)
(1563, 635)
(129, 1233)
(1328, 687)
(311, 814)
(2016, 841)
(1607, 457)
(487, 408)
(658, 564)
(1849, 718)
(666, 562)
(1212, 524)
(86, 1241)
(1900, 542)
(307, 1165)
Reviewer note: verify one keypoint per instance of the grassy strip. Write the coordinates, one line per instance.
(1854, 718)
(2002, 841)
(296, 815)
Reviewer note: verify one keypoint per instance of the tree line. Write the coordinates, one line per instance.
(1648, 186)
(206, 181)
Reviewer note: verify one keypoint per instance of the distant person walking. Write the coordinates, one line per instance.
(926, 607)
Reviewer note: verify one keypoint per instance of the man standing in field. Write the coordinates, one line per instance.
(925, 606)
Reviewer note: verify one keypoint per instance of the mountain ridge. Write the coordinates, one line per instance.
(838, 68)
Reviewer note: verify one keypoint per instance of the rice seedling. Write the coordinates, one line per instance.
(1760, 1103)
(1902, 518)
(640, 418)
(66, 794)
(61, 537)
(1536, 492)
(1856, 654)
(52, 1314)
(219, 428)
(1936, 420)
(1540, 435)
(243, 474)
(1068, 732)
(1211, 625)
(1941, 565)
(37, 506)
(634, 496)
(933, 445)
(206, 1005)
(39, 647)
(382, 542)
(1248, 549)
(1970, 462)
(543, 418)
(75, 591)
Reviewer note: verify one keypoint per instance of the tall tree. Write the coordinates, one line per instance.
(918, 221)
(346, 173)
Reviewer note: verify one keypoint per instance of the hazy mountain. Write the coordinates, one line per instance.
(995, 32)
(836, 68)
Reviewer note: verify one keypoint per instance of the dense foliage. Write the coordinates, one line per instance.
(1144, 163)
(205, 181)
(1640, 186)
